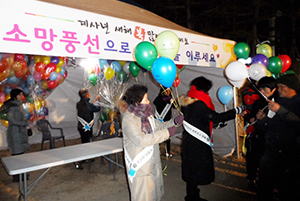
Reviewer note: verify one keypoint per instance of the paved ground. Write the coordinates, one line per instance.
(69, 184)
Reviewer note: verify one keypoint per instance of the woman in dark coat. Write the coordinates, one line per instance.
(199, 115)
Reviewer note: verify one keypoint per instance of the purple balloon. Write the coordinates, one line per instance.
(54, 60)
(261, 59)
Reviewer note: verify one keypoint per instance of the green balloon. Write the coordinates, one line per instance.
(107, 110)
(102, 117)
(275, 65)
(241, 50)
(93, 78)
(264, 49)
(288, 72)
(134, 69)
(145, 54)
(29, 99)
(2, 116)
(122, 76)
(167, 44)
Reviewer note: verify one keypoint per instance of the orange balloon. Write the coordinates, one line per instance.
(16, 66)
(19, 74)
(43, 101)
(31, 107)
(39, 66)
(112, 115)
(10, 60)
(7, 96)
(4, 122)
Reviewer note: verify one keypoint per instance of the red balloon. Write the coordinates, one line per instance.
(51, 84)
(176, 82)
(46, 74)
(23, 64)
(19, 74)
(39, 66)
(19, 57)
(3, 65)
(66, 74)
(51, 67)
(286, 62)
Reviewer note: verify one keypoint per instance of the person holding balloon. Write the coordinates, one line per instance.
(142, 134)
(199, 117)
(280, 163)
(255, 136)
(164, 104)
(17, 137)
(85, 116)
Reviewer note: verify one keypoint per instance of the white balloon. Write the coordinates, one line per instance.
(236, 71)
(126, 68)
(238, 84)
(257, 71)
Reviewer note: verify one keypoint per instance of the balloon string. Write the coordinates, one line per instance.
(174, 100)
(178, 97)
(257, 89)
(136, 80)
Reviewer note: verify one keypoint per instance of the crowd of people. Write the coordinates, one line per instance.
(273, 142)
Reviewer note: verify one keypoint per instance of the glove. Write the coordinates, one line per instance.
(172, 131)
(239, 109)
(178, 120)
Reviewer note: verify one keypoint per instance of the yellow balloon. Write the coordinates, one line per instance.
(269, 74)
(60, 63)
(30, 106)
(109, 73)
(37, 105)
(46, 60)
(7, 96)
(122, 63)
(37, 58)
(43, 101)
(58, 69)
(4, 122)
(45, 85)
(264, 49)
(1, 104)
(167, 44)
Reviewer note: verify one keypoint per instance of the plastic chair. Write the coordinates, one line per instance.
(45, 127)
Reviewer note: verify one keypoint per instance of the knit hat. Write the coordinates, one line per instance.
(269, 82)
(290, 80)
(14, 93)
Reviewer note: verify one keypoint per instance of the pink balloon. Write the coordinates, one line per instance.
(2, 97)
(58, 77)
(37, 76)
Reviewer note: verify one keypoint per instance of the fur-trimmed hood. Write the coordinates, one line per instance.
(122, 106)
(185, 100)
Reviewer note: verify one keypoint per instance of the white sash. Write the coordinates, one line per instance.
(161, 116)
(86, 126)
(138, 161)
(197, 133)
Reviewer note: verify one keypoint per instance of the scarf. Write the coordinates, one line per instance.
(202, 96)
(142, 111)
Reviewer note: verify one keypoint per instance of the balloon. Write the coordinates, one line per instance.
(62, 71)
(102, 63)
(29, 99)
(60, 63)
(122, 62)
(241, 50)
(30, 80)
(39, 66)
(122, 76)
(51, 67)
(145, 54)
(257, 71)
(164, 71)
(269, 74)
(93, 78)
(53, 76)
(126, 68)
(51, 84)
(264, 49)
(3, 65)
(116, 66)
(46, 60)
(45, 85)
(37, 76)
(2, 97)
(112, 115)
(107, 110)
(275, 65)
(19, 57)
(37, 59)
(7, 90)
(46, 74)
(66, 74)
(102, 117)
(167, 44)
(261, 59)
(2, 116)
(54, 60)
(9, 60)
(46, 111)
(176, 82)
(236, 71)
(225, 94)
(109, 73)
(59, 76)
(286, 62)
(16, 66)
(4, 122)
(238, 84)
(134, 69)
(12, 80)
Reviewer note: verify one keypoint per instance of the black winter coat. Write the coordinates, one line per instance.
(197, 157)
(86, 110)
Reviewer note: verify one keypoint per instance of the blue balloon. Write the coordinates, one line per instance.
(53, 76)
(25, 90)
(0, 56)
(26, 58)
(54, 60)
(62, 71)
(27, 116)
(30, 80)
(13, 80)
(261, 59)
(46, 111)
(102, 63)
(225, 94)
(7, 90)
(116, 66)
(164, 71)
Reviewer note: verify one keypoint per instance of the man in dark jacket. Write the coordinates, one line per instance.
(280, 163)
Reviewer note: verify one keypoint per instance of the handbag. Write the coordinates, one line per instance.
(29, 132)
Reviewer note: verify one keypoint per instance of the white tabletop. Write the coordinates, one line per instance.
(29, 162)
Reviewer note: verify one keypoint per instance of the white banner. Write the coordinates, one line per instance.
(39, 28)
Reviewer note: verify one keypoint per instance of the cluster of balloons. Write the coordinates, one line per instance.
(158, 58)
(108, 115)
(260, 65)
(36, 75)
